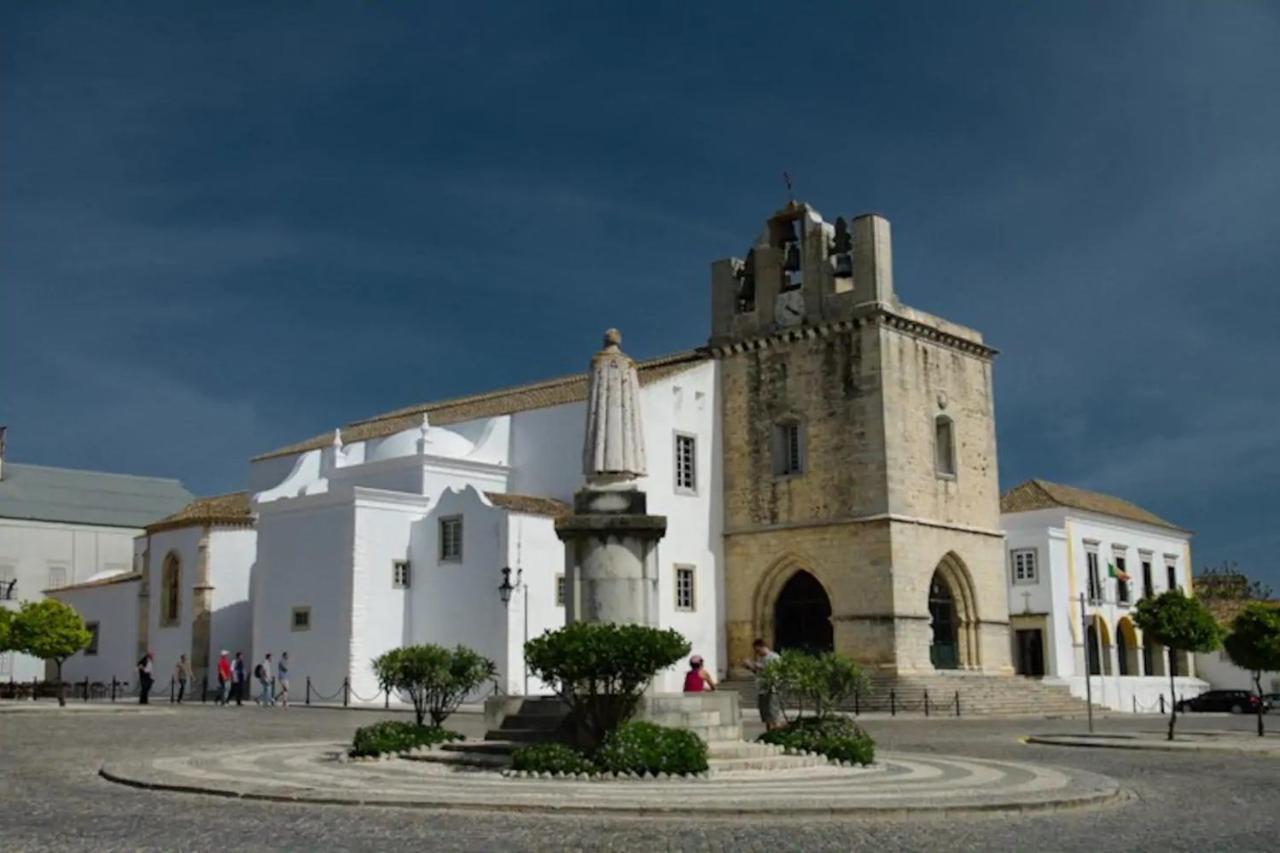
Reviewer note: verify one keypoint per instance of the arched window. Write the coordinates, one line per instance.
(944, 446)
(170, 590)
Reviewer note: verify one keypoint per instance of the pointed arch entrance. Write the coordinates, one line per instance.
(953, 617)
(802, 615)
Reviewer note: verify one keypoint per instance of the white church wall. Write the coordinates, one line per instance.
(167, 641)
(114, 607)
(536, 556)
(1217, 669)
(232, 552)
(546, 451)
(380, 612)
(304, 554)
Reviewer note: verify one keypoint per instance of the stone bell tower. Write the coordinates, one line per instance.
(861, 502)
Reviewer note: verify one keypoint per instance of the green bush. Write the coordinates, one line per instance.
(648, 748)
(834, 737)
(551, 758)
(601, 671)
(437, 679)
(392, 736)
(808, 682)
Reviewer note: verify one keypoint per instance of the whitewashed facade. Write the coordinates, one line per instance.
(1062, 543)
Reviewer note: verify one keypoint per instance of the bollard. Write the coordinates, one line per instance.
(856, 710)
(86, 688)
(113, 688)
(893, 703)
(35, 688)
(1161, 703)
(346, 691)
(957, 703)
(926, 703)
(173, 693)
(307, 701)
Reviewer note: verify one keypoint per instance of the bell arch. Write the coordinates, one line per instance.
(1128, 652)
(953, 616)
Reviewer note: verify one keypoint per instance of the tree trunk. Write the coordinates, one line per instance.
(62, 699)
(1173, 698)
(1257, 682)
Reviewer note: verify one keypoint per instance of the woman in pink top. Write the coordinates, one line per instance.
(697, 679)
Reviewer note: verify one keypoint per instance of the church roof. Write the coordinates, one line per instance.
(101, 579)
(40, 493)
(505, 401)
(232, 509)
(530, 504)
(1042, 494)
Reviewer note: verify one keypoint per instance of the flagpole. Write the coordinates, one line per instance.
(1084, 643)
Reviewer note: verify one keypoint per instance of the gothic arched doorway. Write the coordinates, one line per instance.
(944, 647)
(802, 615)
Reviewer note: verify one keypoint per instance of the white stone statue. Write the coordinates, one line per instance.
(613, 448)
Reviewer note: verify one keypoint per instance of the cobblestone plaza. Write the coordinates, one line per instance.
(54, 798)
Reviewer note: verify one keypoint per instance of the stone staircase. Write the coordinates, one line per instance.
(978, 695)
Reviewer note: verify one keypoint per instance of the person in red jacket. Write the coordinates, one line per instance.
(224, 678)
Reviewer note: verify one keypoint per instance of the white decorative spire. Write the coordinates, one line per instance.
(424, 434)
(613, 448)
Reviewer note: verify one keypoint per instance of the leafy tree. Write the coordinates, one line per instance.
(6, 624)
(1254, 644)
(49, 630)
(437, 679)
(1180, 624)
(601, 671)
(818, 682)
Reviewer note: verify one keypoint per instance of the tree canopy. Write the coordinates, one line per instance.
(1254, 644)
(49, 630)
(1177, 621)
(437, 679)
(6, 624)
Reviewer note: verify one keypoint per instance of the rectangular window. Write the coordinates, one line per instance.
(788, 449)
(686, 464)
(559, 590)
(1122, 583)
(1172, 571)
(400, 574)
(57, 577)
(1095, 579)
(301, 619)
(1024, 565)
(1148, 589)
(944, 446)
(92, 648)
(451, 538)
(684, 588)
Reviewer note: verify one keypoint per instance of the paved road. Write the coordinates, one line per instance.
(50, 796)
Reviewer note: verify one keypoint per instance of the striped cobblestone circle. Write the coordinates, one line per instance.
(898, 783)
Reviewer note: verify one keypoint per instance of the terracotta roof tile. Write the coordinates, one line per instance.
(230, 509)
(530, 504)
(1042, 494)
(505, 401)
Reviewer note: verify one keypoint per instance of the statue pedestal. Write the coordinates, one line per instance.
(611, 558)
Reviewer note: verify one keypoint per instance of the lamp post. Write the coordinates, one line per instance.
(504, 592)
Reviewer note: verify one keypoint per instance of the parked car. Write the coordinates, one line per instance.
(1234, 701)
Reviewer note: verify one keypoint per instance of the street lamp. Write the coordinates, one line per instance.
(506, 587)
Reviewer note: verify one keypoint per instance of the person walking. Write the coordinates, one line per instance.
(282, 680)
(145, 679)
(182, 674)
(224, 678)
(263, 673)
(766, 699)
(697, 679)
(239, 678)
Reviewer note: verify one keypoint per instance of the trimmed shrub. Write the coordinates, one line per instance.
(602, 670)
(437, 679)
(550, 758)
(814, 683)
(649, 748)
(835, 737)
(392, 736)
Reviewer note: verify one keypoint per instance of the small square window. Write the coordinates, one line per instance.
(400, 574)
(559, 590)
(685, 588)
(788, 449)
(1024, 565)
(92, 648)
(301, 620)
(686, 464)
(451, 538)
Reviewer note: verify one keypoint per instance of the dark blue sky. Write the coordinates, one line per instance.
(228, 229)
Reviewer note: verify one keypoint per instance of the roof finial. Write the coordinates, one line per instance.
(612, 339)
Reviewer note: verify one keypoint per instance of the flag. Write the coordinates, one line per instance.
(1116, 573)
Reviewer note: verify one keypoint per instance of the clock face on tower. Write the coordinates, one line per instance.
(788, 308)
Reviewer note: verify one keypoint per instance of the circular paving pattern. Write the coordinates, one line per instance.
(897, 783)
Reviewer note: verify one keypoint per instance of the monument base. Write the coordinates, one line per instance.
(713, 716)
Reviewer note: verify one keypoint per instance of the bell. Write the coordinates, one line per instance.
(843, 239)
(791, 260)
